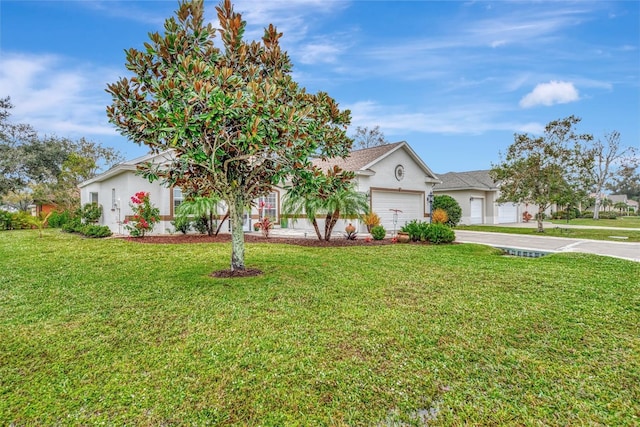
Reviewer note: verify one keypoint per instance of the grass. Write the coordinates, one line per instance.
(622, 222)
(117, 332)
(557, 230)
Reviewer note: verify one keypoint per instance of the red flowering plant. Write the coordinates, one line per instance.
(145, 215)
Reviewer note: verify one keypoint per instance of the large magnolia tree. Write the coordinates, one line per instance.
(547, 169)
(233, 116)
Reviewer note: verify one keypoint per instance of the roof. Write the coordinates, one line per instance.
(472, 180)
(129, 165)
(360, 161)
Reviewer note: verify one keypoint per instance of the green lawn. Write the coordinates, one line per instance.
(557, 230)
(623, 222)
(116, 332)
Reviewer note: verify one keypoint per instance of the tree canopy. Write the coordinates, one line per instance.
(366, 138)
(236, 121)
(552, 168)
(46, 168)
(610, 158)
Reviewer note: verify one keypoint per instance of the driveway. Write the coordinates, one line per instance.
(624, 250)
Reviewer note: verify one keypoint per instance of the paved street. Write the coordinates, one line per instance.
(625, 250)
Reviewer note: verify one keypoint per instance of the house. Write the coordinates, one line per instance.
(394, 178)
(476, 193)
(615, 199)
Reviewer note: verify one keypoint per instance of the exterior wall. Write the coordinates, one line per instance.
(126, 184)
(463, 197)
(114, 195)
(382, 179)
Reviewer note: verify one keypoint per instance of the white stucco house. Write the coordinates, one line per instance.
(394, 178)
(476, 193)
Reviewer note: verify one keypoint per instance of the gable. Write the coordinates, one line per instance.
(369, 161)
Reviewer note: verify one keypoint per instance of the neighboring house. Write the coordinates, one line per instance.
(392, 176)
(621, 198)
(476, 193)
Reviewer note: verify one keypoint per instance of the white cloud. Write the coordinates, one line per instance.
(56, 96)
(463, 119)
(550, 93)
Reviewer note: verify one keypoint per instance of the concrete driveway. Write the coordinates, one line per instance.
(624, 250)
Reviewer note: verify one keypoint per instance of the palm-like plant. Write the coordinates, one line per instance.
(344, 202)
(296, 205)
(201, 207)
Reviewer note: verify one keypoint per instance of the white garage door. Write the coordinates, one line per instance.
(385, 202)
(476, 211)
(507, 213)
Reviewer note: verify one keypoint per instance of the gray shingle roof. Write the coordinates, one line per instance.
(479, 180)
(357, 159)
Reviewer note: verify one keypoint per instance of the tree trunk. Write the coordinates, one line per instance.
(224, 218)
(236, 210)
(330, 223)
(315, 227)
(596, 208)
(210, 223)
(540, 217)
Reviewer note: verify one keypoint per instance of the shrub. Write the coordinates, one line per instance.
(145, 215)
(378, 232)
(201, 225)
(91, 212)
(371, 220)
(439, 216)
(265, 225)
(413, 229)
(439, 233)
(74, 225)
(449, 205)
(417, 230)
(182, 224)
(58, 219)
(21, 221)
(96, 231)
(6, 218)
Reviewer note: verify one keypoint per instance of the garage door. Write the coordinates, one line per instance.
(385, 202)
(476, 211)
(507, 213)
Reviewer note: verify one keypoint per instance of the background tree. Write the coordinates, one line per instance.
(366, 138)
(12, 135)
(626, 181)
(46, 168)
(235, 119)
(609, 156)
(543, 170)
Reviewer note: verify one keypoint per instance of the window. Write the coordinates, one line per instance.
(178, 198)
(267, 206)
(93, 197)
(114, 203)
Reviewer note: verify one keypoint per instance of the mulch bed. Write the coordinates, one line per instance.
(311, 241)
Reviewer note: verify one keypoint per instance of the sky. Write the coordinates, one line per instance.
(455, 79)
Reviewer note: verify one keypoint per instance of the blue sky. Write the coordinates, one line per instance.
(454, 79)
